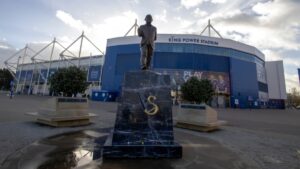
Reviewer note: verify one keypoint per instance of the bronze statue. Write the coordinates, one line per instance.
(148, 34)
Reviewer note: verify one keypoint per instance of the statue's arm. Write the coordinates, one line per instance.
(140, 32)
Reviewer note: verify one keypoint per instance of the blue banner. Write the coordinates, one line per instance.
(94, 73)
(299, 74)
(220, 81)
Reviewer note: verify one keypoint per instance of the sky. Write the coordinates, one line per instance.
(272, 26)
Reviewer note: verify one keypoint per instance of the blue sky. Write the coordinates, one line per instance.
(273, 26)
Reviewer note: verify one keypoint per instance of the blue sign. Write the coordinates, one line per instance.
(94, 73)
(299, 74)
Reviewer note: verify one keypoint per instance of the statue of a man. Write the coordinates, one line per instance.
(148, 34)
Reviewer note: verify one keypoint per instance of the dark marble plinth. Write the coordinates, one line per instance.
(141, 151)
(137, 134)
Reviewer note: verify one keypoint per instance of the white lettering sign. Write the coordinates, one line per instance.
(192, 40)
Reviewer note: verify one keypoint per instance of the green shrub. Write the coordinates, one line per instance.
(70, 81)
(5, 79)
(197, 91)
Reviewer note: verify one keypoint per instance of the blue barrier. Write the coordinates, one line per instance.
(104, 95)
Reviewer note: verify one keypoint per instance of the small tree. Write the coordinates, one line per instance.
(5, 79)
(70, 81)
(293, 98)
(197, 91)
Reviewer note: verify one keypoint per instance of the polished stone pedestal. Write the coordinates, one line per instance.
(137, 134)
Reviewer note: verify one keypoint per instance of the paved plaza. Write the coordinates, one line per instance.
(259, 139)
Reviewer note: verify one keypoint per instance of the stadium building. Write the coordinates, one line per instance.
(239, 73)
(33, 77)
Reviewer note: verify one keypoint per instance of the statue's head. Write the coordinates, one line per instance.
(148, 18)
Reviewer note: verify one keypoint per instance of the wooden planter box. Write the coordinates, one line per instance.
(64, 112)
(199, 117)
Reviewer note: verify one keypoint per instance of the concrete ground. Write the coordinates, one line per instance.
(256, 138)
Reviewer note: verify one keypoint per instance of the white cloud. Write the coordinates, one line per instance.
(6, 50)
(292, 81)
(136, 1)
(260, 8)
(69, 20)
(65, 40)
(275, 29)
(41, 42)
(183, 25)
(290, 61)
(218, 1)
(4, 47)
(281, 23)
(114, 26)
(191, 3)
(161, 17)
(277, 13)
(271, 55)
(199, 13)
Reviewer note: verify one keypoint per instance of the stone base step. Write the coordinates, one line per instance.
(201, 127)
(70, 123)
(62, 121)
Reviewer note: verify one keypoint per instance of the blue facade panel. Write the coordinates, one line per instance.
(110, 80)
(22, 76)
(244, 84)
(188, 61)
(127, 62)
(124, 58)
(29, 75)
(172, 60)
(43, 75)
